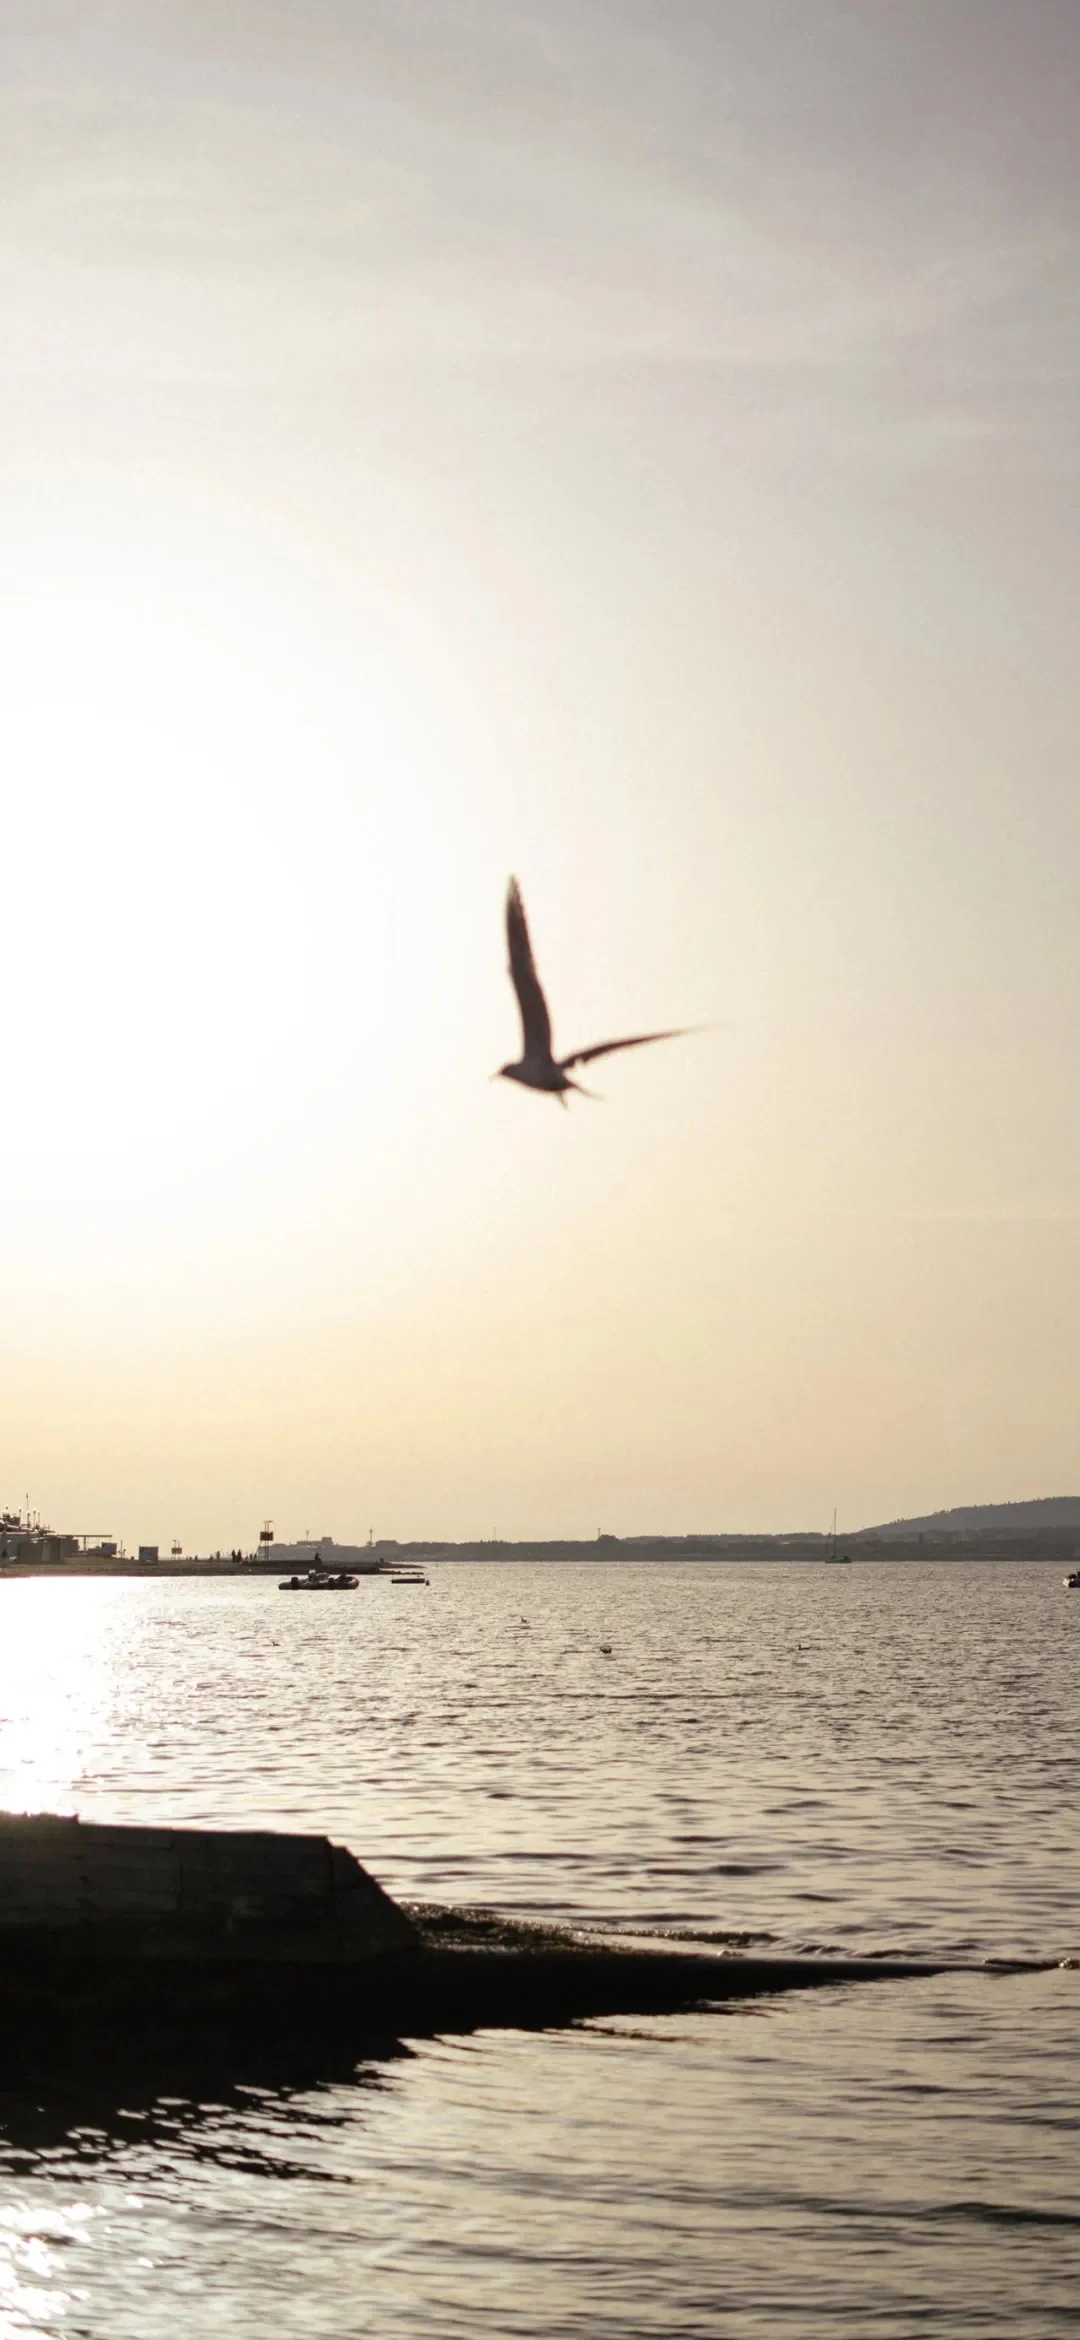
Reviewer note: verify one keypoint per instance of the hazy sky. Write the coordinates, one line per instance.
(628, 442)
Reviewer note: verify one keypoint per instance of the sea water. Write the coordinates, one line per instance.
(881, 1758)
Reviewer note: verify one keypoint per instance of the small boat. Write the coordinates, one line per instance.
(410, 1576)
(317, 1580)
(1072, 1583)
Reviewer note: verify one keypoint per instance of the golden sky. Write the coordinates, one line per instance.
(627, 442)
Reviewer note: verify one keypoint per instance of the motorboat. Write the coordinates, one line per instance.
(319, 1580)
(1072, 1583)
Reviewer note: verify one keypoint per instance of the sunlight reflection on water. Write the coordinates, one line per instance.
(58, 1680)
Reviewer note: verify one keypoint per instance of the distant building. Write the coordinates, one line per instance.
(322, 1552)
(31, 1545)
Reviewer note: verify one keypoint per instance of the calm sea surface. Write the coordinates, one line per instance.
(870, 1758)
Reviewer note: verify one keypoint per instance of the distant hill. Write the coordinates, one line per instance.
(1046, 1512)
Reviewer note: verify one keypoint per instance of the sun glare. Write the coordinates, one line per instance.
(210, 836)
(56, 1687)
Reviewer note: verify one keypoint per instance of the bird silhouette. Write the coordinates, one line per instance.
(536, 1067)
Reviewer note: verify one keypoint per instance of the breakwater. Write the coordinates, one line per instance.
(128, 1942)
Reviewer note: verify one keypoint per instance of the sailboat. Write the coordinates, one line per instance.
(834, 1558)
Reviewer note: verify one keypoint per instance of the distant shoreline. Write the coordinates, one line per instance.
(1052, 1549)
(1045, 1527)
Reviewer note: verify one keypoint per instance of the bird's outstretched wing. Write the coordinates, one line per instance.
(535, 1020)
(607, 1047)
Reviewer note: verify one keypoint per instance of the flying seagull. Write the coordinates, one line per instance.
(538, 1068)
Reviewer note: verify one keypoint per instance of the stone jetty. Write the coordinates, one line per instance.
(119, 1942)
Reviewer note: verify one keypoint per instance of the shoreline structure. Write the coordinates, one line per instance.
(122, 1943)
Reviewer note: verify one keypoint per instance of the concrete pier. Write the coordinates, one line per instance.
(76, 1889)
(129, 1942)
